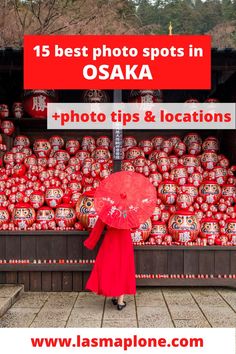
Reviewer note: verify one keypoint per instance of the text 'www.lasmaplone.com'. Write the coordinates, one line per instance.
(124, 343)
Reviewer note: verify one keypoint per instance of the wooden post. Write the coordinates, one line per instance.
(117, 135)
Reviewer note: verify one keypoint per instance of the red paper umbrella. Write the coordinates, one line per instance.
(125, 200)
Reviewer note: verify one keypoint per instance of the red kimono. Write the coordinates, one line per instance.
(113, 273)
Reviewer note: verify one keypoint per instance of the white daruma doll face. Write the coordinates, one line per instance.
(175, 139)
(128, 166)
(167, 146)
(173, 161)
(191, 190)
(19, 157)
(30, 161)
(220, 174)
(194, 148)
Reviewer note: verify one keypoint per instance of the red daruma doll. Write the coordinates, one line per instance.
(53, 196)
(209, 160)
(159, 231)
(183, 226)
(230, 229)
(85, 210)
(228, 191)
(42, 147)
(210, 191)
(155, 178)
(142, 233)
(35, 102)
(57, 142)
(167, 191)
(192, 138)
(191, 190)
(18, 110)
(179, 174)
(191, 162)
(210, 143)
(163, 164)
(45, 215)
(65, 215)
(184, 200)
(209, 228)
(157, 141)
(7, 127)
(36, 199)
(180, 149)
(4, 216)
(220, 174)
(72, 146)
(21, 141)
(23, 215)
(4, 111)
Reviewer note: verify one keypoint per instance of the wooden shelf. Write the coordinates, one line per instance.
(187, 282)
(45, 267)
(69, 233)
(178, 248)
(43, 233)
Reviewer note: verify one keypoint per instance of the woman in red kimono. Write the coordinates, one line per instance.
(113, 274)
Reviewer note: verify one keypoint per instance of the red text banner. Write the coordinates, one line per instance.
(117, 62)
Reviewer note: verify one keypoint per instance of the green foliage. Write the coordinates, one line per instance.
(187, 16)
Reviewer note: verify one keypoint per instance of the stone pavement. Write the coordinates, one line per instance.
(9, 294)
(151, 307)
